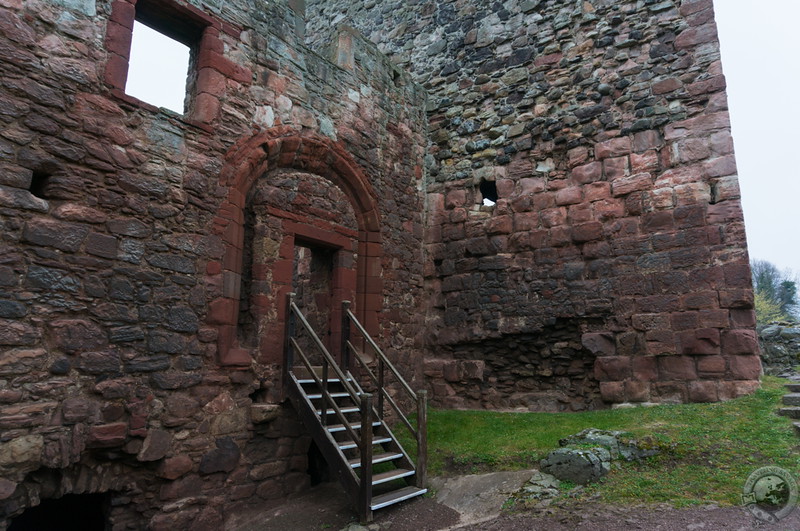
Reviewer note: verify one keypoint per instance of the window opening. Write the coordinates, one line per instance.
(489, 192)
(158, 69)
(39, 183)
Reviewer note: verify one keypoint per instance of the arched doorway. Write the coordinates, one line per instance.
(315, 157)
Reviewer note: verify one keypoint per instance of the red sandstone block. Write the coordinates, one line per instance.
(676, 368)
(647, 140)
(455, 198)
(597, 191)
(701, 392)
(612, 368)
(634, 183)
(714, 319)
(599, 343)
(705, 341)
(721, 166)
(616, 147)
(116, 72)
(693, 36)
(569, 196)
(650, 321)
(576, 156)
(107, 435)
(222, 311)
(553, 217)
(560, 236)
(666, 85)
(580, 213)
(736, 299)
(707, 86)
(700, 300)
(658, 221)
(118, 39)
(739, 341)
(711, 366)
(645, 368)
(586, 232)
(737, 275)
(647, 162)
(499, 225)
(743, 318)
(608, 209)
(615, 168)
(206, 108)
(636, 391)
(123, 12)
(690, 7)
(612, 392)
(745, 367)
(588, 173)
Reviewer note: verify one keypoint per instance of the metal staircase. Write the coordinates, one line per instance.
(348, 424)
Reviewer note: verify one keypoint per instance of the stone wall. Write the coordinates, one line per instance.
(126, 367)
(605, 130)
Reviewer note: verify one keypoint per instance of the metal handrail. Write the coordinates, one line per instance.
(379, 352)
(339, 414)
(420, 398)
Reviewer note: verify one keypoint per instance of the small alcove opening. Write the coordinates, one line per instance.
(72, 512)
(317, 466)
(39, 182)
(489, 192)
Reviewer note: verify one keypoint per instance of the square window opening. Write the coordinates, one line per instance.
(489, 192)
(159, 68)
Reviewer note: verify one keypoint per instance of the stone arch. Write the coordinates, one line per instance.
(247, 161)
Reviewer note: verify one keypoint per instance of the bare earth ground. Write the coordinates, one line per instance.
(327, 507)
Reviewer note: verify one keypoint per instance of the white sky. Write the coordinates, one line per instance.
(760, 43)
(760, 46)
(152, 74)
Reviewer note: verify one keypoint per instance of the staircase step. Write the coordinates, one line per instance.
(792, 399)
(333, 428)
(345, 410)
(330, 380)
(396, 496)
(796, 427)
(793, 387)
(349, 445)
(791, 412)
(391, 475)
(377, 458)
(317, 396)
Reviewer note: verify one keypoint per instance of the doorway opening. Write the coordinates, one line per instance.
(71, 512)
(312, 283)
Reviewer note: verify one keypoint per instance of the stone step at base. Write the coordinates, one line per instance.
(792, 399)
(791, 412)
(793, 387)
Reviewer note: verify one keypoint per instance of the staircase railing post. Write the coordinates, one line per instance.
(345, 354)
(288, 349)
(381, 385)
(365, 494)
(324, 407)
(422, 438)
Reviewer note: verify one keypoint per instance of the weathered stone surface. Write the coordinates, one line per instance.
(175, 467)
(156, 445)
(223, 459)
(578, 466)
(21, 361)
(76, 335)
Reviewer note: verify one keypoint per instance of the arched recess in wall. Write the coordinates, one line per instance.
(245, 163)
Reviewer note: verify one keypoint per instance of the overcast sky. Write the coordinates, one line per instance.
(760, 46)
(760, 43)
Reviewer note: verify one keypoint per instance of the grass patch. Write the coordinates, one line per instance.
(710, 449)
